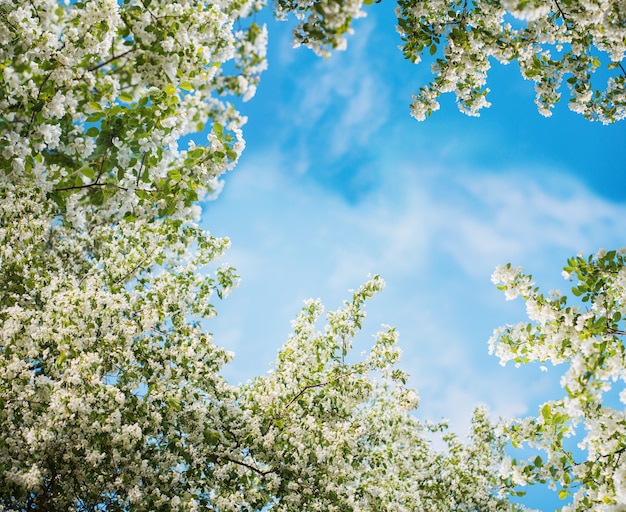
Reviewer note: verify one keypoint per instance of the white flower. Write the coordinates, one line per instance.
(619, 481)
(412, 399)
(51, 134)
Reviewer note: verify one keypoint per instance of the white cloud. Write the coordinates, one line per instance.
(514, 217)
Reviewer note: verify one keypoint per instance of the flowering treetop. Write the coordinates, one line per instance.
(111, 396)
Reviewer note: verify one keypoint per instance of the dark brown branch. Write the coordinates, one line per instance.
(89, 185)
(318, 385)
(140, 172)
(234, 436)
(40, 90)
(108, 61)
(35, 9)
(565, 20)
(244, 464)
(617, 453)
(130, 272)
(304, 390)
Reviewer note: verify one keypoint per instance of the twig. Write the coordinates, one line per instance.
(108, 61)
(242, 463)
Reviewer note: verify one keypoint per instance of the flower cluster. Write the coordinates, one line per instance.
(335, 439)
(106, 377)
(551, 42)
(323, 24)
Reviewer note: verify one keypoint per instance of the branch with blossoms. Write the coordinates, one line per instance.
(243, 464)
(587, 343)
(110, 60)
(302, 391)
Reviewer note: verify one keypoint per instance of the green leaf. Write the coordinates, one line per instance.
(562, 494)
(433, 49)
(174, 403)
(88, 172)
(196, 152)
(126, 97)
(142, 194)
(170, 89)
(61, 359)
(174, 174)
(95, 117)
(186, 86)
(92, 132)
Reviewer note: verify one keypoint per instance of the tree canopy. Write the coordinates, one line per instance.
(111, 396)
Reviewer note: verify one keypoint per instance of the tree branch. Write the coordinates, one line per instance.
(108, 61)
(244, 464)
(304, 390)
(318, 385)
(88, 185)
(565, 20)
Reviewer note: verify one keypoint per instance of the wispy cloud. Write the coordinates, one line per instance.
(331, 108)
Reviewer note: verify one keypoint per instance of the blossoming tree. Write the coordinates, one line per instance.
(111, 396)
(579, 42)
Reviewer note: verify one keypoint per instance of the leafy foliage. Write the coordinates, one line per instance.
(111, 396)
(96, 96)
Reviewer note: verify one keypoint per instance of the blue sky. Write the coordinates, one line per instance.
(338, 181)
